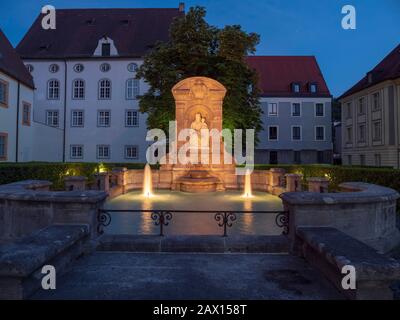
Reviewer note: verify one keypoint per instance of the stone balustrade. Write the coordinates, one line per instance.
(368, 213)
(75, 183)
(318, 184)
(28, 206)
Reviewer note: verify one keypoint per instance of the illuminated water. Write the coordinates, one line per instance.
(194, 223)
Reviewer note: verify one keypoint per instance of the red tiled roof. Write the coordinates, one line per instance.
(11, 64)
(387, 69)
(277, 73)
(78, 31)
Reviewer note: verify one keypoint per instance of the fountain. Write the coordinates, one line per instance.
(247, 185)
(147, 182)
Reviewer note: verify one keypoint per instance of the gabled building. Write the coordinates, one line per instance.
(371, 117)
(84, 73)
(297, 125)
(16, 100)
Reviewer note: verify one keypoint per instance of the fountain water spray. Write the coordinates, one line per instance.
(247, 185)
(147, 182)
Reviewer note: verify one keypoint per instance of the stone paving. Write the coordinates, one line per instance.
(120, 275)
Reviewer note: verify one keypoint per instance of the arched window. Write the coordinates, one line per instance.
(53, 89)
(78, 89)
(132, 88)
(104, 89)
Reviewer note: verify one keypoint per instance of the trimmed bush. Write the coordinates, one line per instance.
(55, 172)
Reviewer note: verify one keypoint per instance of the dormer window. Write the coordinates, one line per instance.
(296, 87)
(369, 77)
(313, 87)
(105, 49)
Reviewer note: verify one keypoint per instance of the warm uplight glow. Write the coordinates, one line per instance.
(247, 185)
(102, 168)
(147, 182)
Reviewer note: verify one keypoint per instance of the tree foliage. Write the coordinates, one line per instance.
(196, 48)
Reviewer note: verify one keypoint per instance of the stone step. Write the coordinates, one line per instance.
(192, 243)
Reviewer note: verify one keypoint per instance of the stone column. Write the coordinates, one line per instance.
(120, 173)
(75, 183)
(318, 184)
(276, 175)
(103, 181)
(293, 182)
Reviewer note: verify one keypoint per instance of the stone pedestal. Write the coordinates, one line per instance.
(103, 181)
(276, 175)
(293, 182)
(318, 184)
(120, 174)
(75, 183)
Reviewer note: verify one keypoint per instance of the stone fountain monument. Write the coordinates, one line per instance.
(198, 103)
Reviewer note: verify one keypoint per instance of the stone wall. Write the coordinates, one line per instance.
(364, 211)
(28, 206)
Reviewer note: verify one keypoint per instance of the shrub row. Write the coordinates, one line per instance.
(337, 174)
(55, 172)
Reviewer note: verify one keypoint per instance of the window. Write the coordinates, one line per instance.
(273, 157)
(362, 159)
(132, 88)
(349, 160)
(319, 109)
(320, 133)
(377, 131)
(296, 133)
(378, 160)
(78, 67)
(76, 151)
(26, 114)
(103, 118)
(53, 90)
(361, 133)
(376, 104)
(272, 109)
(349, 135)
(296, 87)
(361, 106)
(296, 110)
(105, 67)
(105, 49)
(30, 67)
(54, 68)
(3, 94)
(131, 152)
(77, 118)
(297, 157)
(273, 133)
(103, 151)
(132, 67)
(104, 89)
(3, 145)
(349, 111)
(52, 118)
(78, 89)
(320, 157)
(131, 118)
(313, 87)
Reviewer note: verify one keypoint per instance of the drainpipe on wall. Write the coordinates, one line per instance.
(65, 108)
(17, 126)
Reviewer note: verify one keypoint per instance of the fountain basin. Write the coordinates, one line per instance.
(197, 185)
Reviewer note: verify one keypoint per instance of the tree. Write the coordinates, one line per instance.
(197, 49)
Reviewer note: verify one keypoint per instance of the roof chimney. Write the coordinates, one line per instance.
(181, 7)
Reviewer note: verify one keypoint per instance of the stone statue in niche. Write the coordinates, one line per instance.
(197, 125)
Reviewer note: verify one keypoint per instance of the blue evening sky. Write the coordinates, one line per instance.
(287, 27)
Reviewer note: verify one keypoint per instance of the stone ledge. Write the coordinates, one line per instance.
(193, 243)
(25, 191)
(365, 193)
(328, 250)
(22, 257)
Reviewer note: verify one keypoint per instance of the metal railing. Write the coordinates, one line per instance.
(162, 218)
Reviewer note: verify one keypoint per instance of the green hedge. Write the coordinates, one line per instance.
(337, 174)
(55, 172)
